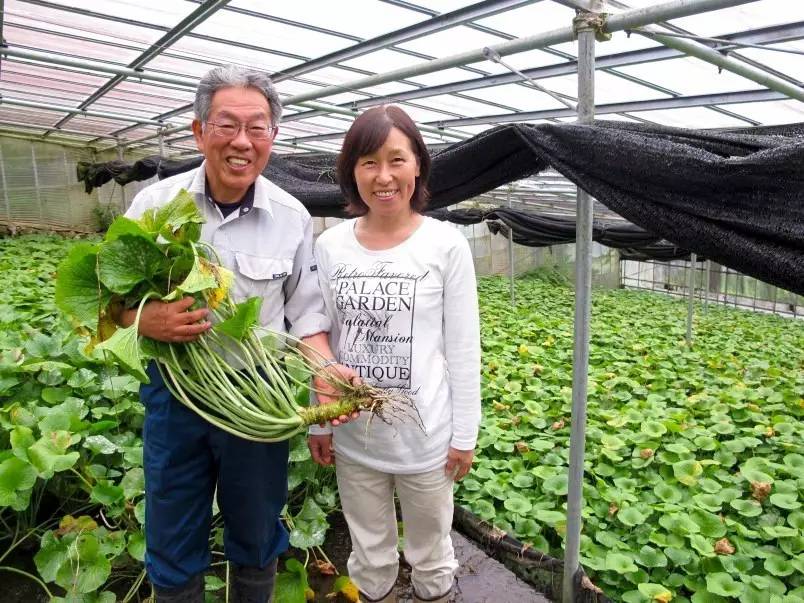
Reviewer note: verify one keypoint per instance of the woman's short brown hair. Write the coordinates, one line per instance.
(367, 134)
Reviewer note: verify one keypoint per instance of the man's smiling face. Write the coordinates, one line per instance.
(234, 162)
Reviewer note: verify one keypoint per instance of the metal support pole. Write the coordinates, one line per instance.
(67, 181)
(775, 298)
(122, 188)
(736, 288)
(4, 183)
(474, 246)
(754, 293)
(36, 185)
(690, 295)
(583, 294)
(707, 285)
(511, 251)
(161, 142)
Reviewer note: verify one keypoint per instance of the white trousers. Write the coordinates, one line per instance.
(367, 499)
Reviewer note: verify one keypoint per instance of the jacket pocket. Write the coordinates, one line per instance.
(260, 276)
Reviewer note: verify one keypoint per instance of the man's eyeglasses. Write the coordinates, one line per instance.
(253, 131)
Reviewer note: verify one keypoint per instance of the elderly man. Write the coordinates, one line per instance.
(265, 236)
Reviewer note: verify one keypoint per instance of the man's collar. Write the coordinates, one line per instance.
(256, 197)
(262, 196)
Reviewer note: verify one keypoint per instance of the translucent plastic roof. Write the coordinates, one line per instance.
(67, 70)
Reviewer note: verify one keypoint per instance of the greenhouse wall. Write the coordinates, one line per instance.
(725, 286)
(39, 189)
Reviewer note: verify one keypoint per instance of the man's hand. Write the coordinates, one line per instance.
(321, 449)
(459, 463)
(328, 393)
(172, 322)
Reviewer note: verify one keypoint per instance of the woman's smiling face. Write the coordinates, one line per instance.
(386, 178)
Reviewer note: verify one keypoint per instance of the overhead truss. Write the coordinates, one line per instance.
(453, 93)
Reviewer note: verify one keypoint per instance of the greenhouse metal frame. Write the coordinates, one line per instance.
(97, 99)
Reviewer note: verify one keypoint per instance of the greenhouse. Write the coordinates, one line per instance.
(628, 179)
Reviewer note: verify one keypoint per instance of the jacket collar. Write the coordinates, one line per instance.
(259, 192)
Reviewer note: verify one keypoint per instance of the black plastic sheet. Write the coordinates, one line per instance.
(736, 197)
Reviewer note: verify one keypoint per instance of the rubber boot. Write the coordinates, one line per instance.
(389, 598)
(252, 584)
(440, 599)
(192, 592)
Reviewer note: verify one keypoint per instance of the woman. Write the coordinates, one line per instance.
(400, 289)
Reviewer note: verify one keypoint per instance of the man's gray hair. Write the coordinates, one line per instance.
(234, 76)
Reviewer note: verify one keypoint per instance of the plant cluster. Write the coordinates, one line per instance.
(694, 471)
(71, 476)
(694, 466)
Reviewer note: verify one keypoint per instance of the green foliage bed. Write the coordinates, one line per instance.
(690, 453)
(695, 457)
(71, 478)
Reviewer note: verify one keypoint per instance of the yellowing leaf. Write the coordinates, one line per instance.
(346, 589)
(69, 524)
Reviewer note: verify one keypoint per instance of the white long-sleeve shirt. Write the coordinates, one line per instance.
(268, 245)
(406, 317)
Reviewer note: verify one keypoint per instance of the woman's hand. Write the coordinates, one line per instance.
(327, 392)
(459, 463)
(321, 449)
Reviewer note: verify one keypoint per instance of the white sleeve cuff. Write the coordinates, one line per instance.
(463, 443)
(318, 430)
(310, 324)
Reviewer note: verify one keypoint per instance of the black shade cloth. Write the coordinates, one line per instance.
(533, 230)
(736, 197)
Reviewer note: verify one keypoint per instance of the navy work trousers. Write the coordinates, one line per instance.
(185, 458)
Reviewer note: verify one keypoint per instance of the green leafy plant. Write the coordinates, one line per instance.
(694, 471)
(90, 483)
(737, 396)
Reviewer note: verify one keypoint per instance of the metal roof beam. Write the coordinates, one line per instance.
(198, 16)
(74, 111)
(709, 55)
(750, 96)
(703, 100)
(98, 66)
(747, 68)
(433, 25)
(766, 35)
(621, 21)
(330, 32)
(210, 60)
(29, 126)
(204, 37)
(2, 18)
(592, 6)
(65, 142)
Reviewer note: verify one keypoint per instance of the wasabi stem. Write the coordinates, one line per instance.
(258, 401)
